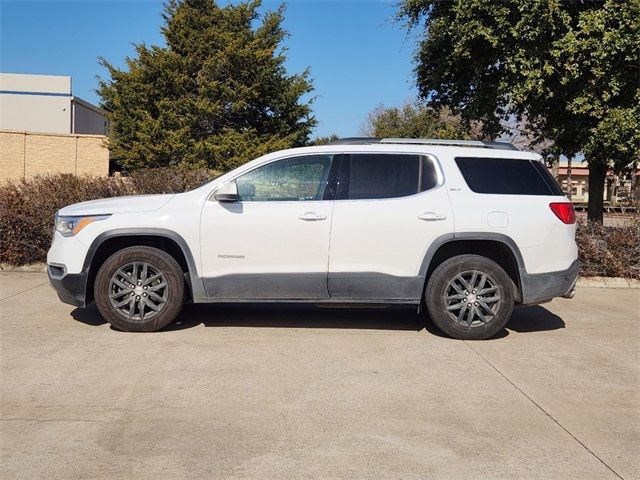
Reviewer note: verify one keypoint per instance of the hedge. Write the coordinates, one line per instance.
(609, 251)
(27, 209)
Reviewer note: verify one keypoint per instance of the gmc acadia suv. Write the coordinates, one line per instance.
(467, 229)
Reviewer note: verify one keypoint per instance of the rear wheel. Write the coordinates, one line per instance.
(139, 289)
(470, 297)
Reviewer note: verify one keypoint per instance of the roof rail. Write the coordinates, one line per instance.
(434, 141)
(355, 141)
(425, 141)
(501, 145)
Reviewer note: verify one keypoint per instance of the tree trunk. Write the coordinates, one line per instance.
(569, 191)
(597, 177)
(633, 193)
(608, 189)
(555, 167)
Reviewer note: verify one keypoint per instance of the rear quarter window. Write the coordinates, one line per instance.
(507, 176)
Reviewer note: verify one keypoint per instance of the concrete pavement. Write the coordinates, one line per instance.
(306, 392)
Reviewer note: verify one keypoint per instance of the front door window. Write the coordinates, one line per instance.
(291, 179)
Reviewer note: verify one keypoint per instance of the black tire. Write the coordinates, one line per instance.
(144, 318)
(442, 294)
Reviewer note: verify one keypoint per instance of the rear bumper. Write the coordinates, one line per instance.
(70, 287)
(542, 287)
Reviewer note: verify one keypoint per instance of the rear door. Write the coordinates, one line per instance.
(389, 209)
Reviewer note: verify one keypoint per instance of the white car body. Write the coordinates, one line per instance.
(362, 250)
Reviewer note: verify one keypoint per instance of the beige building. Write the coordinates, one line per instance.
(618, 189)
(45, 129)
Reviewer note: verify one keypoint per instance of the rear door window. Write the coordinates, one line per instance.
(378, 176)
(506, 176)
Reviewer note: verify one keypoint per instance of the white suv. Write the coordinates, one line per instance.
(468, 229)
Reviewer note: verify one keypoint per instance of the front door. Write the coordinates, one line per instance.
(389, 209)
(274, 242)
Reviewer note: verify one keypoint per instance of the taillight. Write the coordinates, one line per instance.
(564, 211)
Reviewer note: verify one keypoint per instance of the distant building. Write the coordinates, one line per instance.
(45, 130)
(618, 189)
(45, 104)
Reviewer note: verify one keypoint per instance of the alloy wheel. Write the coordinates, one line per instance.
(472, 298)
(138, 291)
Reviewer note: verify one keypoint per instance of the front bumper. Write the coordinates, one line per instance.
(542, 287)
(70, 287)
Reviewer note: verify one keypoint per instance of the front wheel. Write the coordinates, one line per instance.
(139, 289)
(470, 297)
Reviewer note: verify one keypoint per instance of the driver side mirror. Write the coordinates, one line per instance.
(227, 193)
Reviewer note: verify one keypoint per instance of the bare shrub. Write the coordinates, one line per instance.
(609, 251)
(27, 207)
(169, 179)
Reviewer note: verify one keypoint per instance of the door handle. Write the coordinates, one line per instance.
(432, 217)
(312, 216)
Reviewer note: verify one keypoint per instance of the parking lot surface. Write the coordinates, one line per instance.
(305, 392)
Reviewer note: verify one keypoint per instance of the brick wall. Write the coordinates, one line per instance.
(25, 154)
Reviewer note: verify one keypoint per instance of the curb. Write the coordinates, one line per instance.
(607, 282)
(583, 282)
(33, 268)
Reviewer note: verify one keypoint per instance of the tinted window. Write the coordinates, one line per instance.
(548, 178)
(505, 176)
(429, 176)
(371, 176)
(298, 178)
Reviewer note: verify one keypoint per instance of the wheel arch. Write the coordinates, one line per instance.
(500, 248)
(107, 243)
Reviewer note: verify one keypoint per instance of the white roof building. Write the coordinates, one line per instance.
(45, 103)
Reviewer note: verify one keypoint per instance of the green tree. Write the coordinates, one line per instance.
(417, 120)
(216, 95)
(324, 140)
(569, 69)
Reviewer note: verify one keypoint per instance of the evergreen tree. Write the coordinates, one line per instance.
(324, 140)
(216, 95)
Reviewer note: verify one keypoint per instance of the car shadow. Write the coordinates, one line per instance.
(298, 316)
(535, 318)
(88, 316)
(523, 320)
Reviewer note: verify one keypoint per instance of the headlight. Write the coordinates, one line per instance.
(69, 226)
